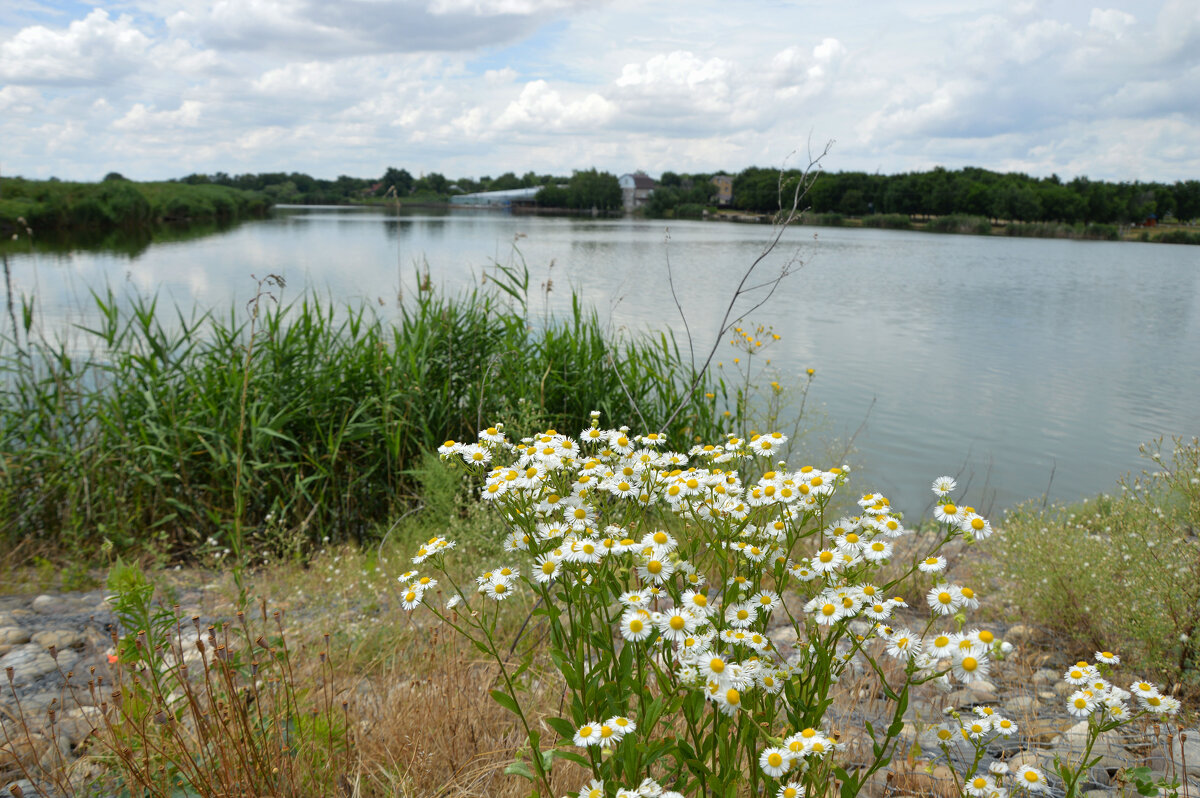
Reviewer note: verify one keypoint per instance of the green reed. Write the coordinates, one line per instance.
(186, 432)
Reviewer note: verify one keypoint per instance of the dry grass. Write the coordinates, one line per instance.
(421, 721)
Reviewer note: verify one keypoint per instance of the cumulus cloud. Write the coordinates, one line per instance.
(142, 119)
(1111, 21)
(540, 107)
(91, 51)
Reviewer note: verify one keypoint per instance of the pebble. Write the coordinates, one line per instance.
(47, 604)
(1045, 676)
(1020, 705)
(1188, 752)
(29, 662)
(1018, 634)
(13, 636)
(59, 638)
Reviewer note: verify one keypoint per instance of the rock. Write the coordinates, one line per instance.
(85, 772)
(1019, 634)
(1186, 752)
(1019, 706)
(983, 684)
(1031, 758)
(13, 635)
(47, 604)
(1064, 689)
(24, 751)
(1045, 676)
(29, 662)
(1100, 793)
(960, 699)
(25, 786)
(77, 724)
(783, 636)
(61, 639)
(7, 619)
(1113, 756)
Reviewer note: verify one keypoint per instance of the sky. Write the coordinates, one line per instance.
(156, 89)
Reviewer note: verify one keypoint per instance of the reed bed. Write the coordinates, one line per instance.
(288, 424)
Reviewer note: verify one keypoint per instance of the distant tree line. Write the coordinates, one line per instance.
(939, 192)
(300, 188)
(976, 192)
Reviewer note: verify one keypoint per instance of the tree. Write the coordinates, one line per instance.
(592, 189)
(399, 178)
(505, 182)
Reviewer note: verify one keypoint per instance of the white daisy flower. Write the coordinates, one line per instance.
(774, 762)
(942, 486)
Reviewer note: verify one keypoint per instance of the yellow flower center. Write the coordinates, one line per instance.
(654, 566)
(717, 665)
(677, 622)
(969, 664)
(774, 759)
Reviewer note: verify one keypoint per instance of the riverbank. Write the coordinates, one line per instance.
(961, 224)
(37, 208)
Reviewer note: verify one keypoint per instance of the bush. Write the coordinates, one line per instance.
(888, 221)
(1178, 237)
(1121, 570)
(960, 223)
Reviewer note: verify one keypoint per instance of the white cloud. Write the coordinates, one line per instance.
(540, 107)
(142, 119)
(90, 51)
(1111, 21)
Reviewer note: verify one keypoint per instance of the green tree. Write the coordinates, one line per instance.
(592, 189)
(400, 178)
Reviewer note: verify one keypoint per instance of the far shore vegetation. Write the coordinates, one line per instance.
(119, 214)
(48, 208)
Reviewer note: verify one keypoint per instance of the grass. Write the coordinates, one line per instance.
(1117, 572)
(178, 432)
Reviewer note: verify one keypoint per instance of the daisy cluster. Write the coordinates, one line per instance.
(685, 561)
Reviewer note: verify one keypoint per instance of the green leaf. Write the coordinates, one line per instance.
(571, 756)
(564, 727)
(518, 769)
(506, 701)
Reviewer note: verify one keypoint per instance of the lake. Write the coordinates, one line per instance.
(1023, 366)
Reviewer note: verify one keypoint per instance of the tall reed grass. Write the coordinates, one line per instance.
(140, 439)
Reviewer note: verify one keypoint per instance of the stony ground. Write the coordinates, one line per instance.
(43, 637)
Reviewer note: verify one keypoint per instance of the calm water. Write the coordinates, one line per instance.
(1003, 361)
